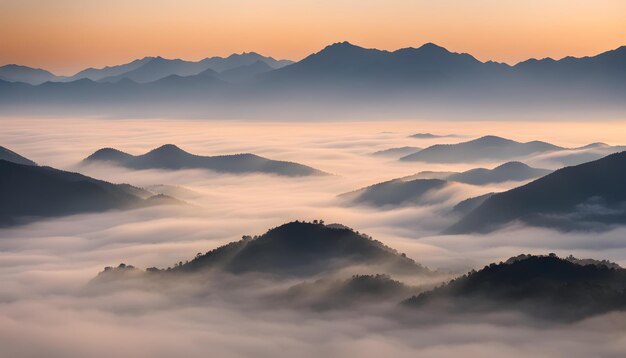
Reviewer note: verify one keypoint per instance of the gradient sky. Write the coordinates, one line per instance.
(65, 36)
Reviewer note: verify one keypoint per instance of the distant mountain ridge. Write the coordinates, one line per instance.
(171, 157)
(146, 69)
(18, 73)
(510, 171)
(484, 148)
(344, 78)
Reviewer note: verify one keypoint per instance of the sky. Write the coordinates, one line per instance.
(65, 36)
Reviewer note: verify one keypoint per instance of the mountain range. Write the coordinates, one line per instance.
(342, 76)
(150, 69)
(589, 196)
(171, 157)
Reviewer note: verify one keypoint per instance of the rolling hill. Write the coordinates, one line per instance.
(173, 158)
(296, 249)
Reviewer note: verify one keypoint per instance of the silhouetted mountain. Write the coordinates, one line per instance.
(33, 76)
(396, 192)
(544, 286)
(173, 158)
(220, 64)
(299, 249)
(396, 152)
(467, 205)
(30, 192)
(347, 80)
(174, 84)
(483, 148)
(96, 74)
(245, 73)
(11, 156)
(158, 67)
(606, 68)
(588, 196)
(344, 64)
(511, 171)
(149, 69)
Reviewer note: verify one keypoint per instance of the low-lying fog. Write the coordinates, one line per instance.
(44, 266)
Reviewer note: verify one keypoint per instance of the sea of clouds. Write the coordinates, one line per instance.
(48, 308)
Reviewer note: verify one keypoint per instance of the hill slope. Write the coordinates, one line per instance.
(11, 156)
(30, 191)
(586, 196)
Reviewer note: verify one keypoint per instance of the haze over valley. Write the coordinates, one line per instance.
(174, 219)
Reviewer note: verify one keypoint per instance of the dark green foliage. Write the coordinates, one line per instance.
(543, 286)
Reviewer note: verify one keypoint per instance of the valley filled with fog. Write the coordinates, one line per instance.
(49, 266)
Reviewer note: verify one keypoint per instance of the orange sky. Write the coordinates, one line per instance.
(65, 36)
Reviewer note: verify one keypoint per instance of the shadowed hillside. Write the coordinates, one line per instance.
(11, 156)
(544, 286)
(396, 192)
(587, 197)
(30, 192)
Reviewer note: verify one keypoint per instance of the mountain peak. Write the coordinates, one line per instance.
(512, 165)
(429, 46)
(168, 148)
(108, 154)
(493, 140)
(340, 46)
